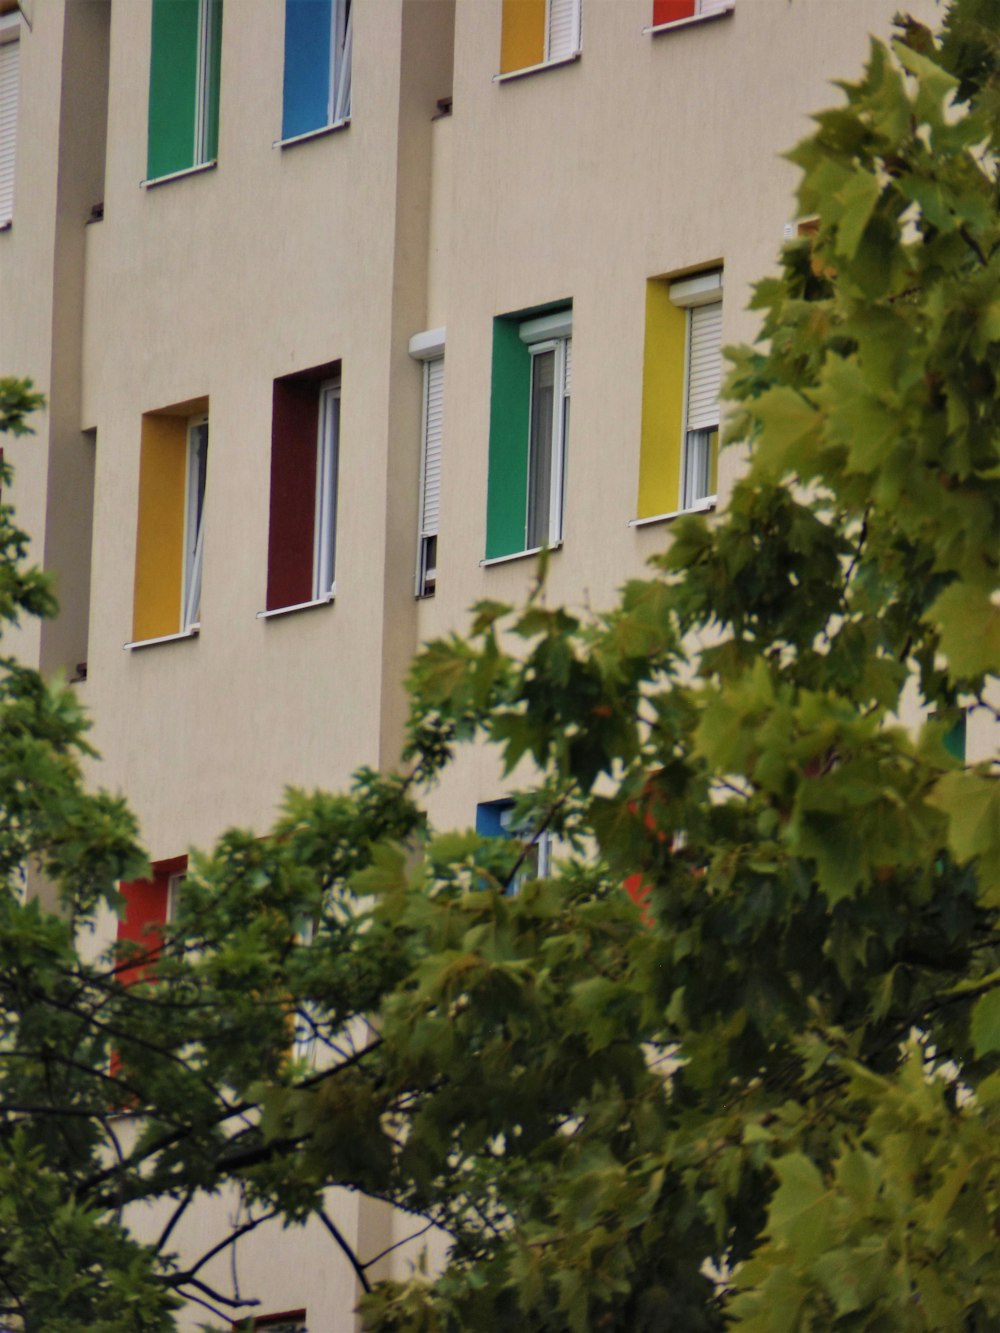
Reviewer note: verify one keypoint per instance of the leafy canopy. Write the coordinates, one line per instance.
(767, 1097)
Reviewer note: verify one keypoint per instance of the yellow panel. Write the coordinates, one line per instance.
(522, 39)
(662, 403)
(159, 556)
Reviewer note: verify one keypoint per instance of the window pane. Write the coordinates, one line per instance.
(697, 466)
(540, 454)
(326, 491)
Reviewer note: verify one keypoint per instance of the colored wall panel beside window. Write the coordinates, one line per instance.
(662, 404)
(522, 36)
(306, 96)
(669, 11)
(291, 533)
(507, 494)
(185, 61)
(159, 559)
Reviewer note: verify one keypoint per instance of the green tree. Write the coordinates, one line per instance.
(767, 1097)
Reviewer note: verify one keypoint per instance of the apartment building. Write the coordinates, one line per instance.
(344, 312)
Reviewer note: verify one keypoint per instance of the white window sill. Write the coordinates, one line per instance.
(317, 133)
(701, 507)
(191, 632)
(513, 74)
(661, 28)
(518, 555)
(179, 175)
(296, 606)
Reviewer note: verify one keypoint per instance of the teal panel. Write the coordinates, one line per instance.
(507, 491)
(173, 78)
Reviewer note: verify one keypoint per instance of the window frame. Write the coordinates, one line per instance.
(10, 35)
(509, 430)
(691, 294)
(548, 60)
(537, 848)
(557, 446)
(324, 578)
(716, 9)
(195, 490)
(339, 76)
(205, 95)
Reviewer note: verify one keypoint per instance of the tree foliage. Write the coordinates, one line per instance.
(767, 1097)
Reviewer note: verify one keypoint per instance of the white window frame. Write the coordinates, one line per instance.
(550, 333)
(174, 883)
(573, 48)
(690, 294)
(194, 526)
(327, 468)
(338, 110)
(10, 36)
(203, 84)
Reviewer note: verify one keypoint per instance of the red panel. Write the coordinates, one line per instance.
(146, 912)
(293, 493)
(669, 11)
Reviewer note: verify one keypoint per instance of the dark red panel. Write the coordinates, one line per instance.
(669, 11)
(293, 493)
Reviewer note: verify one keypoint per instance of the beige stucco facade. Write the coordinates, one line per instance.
(647, 156)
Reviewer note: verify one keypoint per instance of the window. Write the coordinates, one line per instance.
(317, 87)
(170, 536)
(682, 374)
(184, 85)
(495, 819)
(305, 455)
(538, 32)
(147, 909)
(429, 348)
(673, 11)
(529, 428)
(293, 1321)
(10, 53)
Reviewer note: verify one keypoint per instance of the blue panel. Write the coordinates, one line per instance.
(307, 67)
(489, 819)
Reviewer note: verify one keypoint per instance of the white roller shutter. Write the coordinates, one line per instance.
(430, 495)
(563, 34)
(704, 366)
(9, 55)
(568, 368)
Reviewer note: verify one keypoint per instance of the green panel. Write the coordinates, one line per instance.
(173, 78)
(215, 65)
(507, 494)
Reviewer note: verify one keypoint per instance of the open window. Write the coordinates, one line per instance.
(185, 63)
(538, 32)
(10, 56)
(170, 536)
(529, 431)
(318, 48)
(305, 460)
(682, 376)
